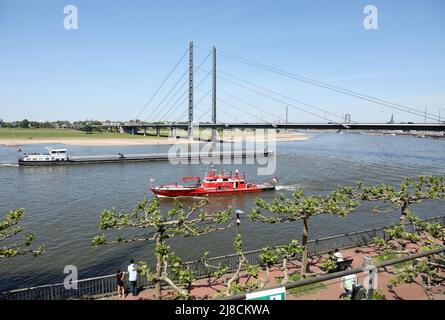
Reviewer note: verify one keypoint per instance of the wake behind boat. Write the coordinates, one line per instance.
(212, 184)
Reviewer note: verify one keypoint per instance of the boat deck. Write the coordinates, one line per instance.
(148, 157)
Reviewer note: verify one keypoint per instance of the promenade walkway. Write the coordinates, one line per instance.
(328, 290)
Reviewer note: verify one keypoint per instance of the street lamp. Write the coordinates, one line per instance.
(238, 221)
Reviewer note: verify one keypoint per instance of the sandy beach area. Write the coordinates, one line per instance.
(92, 141)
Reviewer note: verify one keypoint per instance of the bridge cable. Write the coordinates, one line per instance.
(348, 92)
(196, 87)
(202, 116)
(199, 66)
(226, 114)
(165, 97)
(284, 96)
(249, 104)
(199, 84)
(241, 109)
(199, 101)
(277, 100)
(162, 84)
(332, 87)
(171, 99)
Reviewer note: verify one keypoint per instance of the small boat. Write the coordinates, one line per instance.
(54, 156)
(212, 184)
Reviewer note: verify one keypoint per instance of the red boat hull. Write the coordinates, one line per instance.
(199, 191)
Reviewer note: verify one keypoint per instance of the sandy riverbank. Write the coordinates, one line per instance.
(92, 141)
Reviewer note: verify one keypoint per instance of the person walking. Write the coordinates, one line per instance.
(133, 277)
(120, 283)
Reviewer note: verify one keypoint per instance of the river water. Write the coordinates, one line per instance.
(63, 203)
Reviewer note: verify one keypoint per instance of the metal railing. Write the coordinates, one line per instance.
(92, 288)
(340, 274)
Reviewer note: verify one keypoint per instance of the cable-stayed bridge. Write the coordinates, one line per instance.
(180, 97)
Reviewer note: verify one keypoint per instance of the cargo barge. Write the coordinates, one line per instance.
(59, 157)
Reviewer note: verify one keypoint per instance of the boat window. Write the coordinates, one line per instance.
(225, 179)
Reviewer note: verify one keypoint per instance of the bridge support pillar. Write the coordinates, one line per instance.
(213, 138)
(190, 121)
(158, 132)
(132, 130)
(145, 131)
(173, 132)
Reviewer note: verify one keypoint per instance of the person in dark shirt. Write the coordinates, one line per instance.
(120, 283)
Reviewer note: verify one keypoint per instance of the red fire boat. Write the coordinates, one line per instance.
(213, 184)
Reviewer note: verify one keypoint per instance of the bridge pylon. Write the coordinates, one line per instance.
(190, 122)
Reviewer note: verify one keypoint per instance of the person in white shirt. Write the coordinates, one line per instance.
(133, 277)
(338, 256)
(348, 283)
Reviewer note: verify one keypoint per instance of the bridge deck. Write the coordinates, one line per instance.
(308, 126)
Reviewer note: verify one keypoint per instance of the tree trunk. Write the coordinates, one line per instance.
(235, 276)
(266, 280)
(174, 286)
(304, 242)
(158, 270)
(403, 214)
(285, 271)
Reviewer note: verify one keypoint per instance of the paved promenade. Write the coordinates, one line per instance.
(328, 290)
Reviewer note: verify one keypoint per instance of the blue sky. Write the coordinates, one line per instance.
(122, 50)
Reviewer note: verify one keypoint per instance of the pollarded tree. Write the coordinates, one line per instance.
(268, 257)
(398, 237)
(172, 270)
(302, 207)
(9, 231)
(286, 253)
(410, 192)
(428, 268)
(231, 283)
(177, 221)
(425, 234)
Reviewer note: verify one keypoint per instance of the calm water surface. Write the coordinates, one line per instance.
(63, 203)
